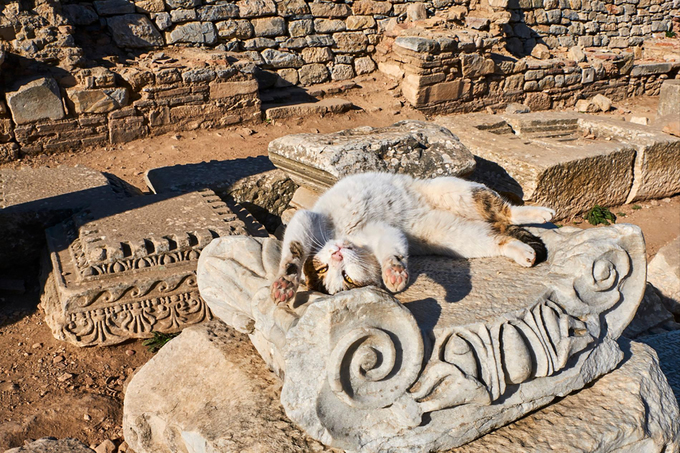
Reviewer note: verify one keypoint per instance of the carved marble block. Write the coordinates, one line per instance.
(417, 148)
(470, 346)
(123, 270)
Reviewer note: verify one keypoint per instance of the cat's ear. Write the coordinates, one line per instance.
(313, 280)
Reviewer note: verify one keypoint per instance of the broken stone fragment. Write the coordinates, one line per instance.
(36, 100)
(567, 161)
(513, 340)
(603, 102)
(417, 148)
(101, 100)
(110, 279)
(323, 107)
(53, 445)
(664, 273)
(134, 31)
(669, 99)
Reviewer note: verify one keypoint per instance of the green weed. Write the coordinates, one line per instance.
(670, 34)
(636, 207)
(158, 340)
(600, 215)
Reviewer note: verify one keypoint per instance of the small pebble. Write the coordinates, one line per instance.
(64, 377)
(87, 417)
(57, 359)
(130, 352)
(36, 345)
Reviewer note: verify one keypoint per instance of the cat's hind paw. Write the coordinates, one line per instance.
(284, 288)
(522, 253)
(395, 276)
(524, 215)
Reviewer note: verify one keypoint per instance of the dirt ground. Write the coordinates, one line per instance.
(50, 388)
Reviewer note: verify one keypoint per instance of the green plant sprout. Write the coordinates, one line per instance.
(158, 340)
(600, 215)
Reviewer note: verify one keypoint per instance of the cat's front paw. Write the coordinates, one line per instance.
(284, 288)
(395, 275)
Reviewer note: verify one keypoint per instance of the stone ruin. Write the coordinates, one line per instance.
(470, 346)
(77, 74)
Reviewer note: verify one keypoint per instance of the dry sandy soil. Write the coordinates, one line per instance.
(50, 388)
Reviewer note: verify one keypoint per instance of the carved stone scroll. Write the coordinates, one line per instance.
(471, 345)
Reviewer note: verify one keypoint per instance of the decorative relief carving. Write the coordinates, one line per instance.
(124, 270)
(136, 319)
(361, 374)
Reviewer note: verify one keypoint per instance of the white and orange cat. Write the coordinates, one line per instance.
(360, 232)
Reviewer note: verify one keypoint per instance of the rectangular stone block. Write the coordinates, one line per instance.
(544, 158)
(220, 90)
(656, 172)
(125, 269)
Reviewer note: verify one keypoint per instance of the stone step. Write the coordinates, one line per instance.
(323, 107)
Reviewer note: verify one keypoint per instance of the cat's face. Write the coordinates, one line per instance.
(341, 265)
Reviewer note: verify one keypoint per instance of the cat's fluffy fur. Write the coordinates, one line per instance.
(360, 232)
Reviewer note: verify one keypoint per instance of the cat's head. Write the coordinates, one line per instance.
(341, 265)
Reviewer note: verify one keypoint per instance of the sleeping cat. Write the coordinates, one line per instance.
(360, 231)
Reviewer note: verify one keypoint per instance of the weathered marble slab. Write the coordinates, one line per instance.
(123, 270)
(229, 402)
(666, 346)
(417, 148)
(569, 161)
(473, 345)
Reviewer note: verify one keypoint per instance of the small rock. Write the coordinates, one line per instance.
(603, 102)
(515, 107)
(130, 352)
(586, 106)
(106, 447)
(57, 359)
(87, 417)
(541, 51)
(577, 54)
(64, 377)
(36, 346)
(640, 120)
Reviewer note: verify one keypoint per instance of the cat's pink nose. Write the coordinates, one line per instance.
(337, 256)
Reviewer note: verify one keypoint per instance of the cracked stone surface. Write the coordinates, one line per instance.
(568, 161)
(417, 148)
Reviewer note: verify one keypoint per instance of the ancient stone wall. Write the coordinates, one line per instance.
(439, 75)
(82, 73)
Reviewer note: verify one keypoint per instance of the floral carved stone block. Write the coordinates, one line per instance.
(122, 270)
(470, 346)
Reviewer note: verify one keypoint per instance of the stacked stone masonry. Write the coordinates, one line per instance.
(106, 71)
(442, 75)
